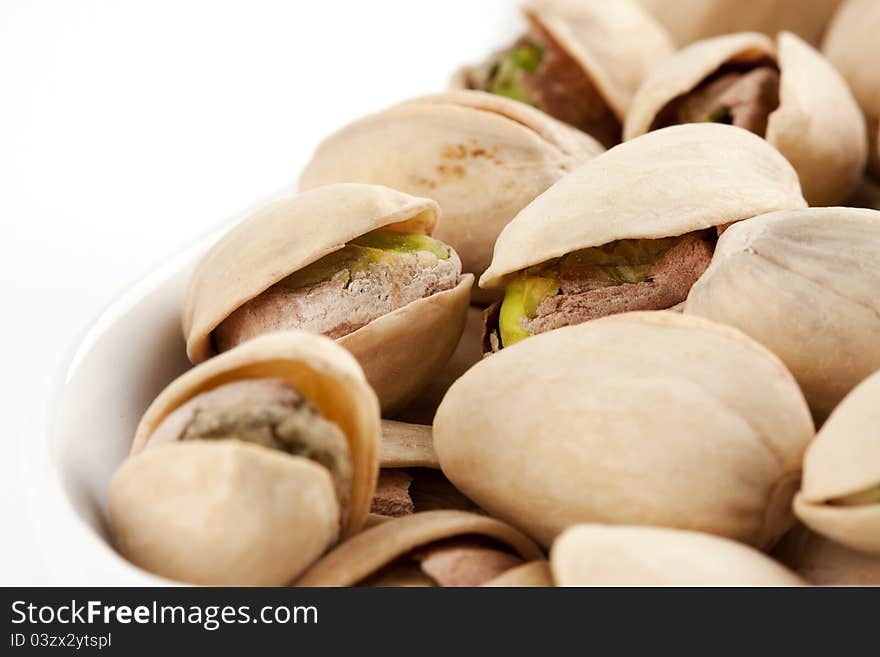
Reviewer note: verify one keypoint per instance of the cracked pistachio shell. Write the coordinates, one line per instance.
(698, 19)
(643, 418)
(804, 284)
(400, 351)
(666, 183)
(228, 512)
(817, 126)
(825, 563)
(598, 555)
(844, 460)
(481, 157)
(851, 44)
(373, 549)
(617, 44)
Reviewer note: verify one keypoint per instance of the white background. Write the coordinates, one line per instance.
(128, 128)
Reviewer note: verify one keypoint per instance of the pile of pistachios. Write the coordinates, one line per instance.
(606, 312)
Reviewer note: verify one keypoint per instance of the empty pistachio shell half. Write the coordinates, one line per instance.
(351, 261)
(784, 91)
(246, 468)
(641, 418)
(632, 229)
(481, 157)
(840, 494)
(597, 555)
(825, 563)
(435, 548)
(850, 43)
(698, 19)
(804, 284)
(580, 61)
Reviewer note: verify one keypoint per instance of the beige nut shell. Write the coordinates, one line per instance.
(223, 513)
(294, 231)
(597, 555)
(803, 283)
(378, 546)
(665, 183)
(617, 44)
(320, 370)
(818, 126)
(845, 460)
(642, 418)
(481, 157)
(699, 19)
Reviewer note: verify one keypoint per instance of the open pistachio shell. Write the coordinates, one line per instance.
(851, 43)
(535, 574)
(481, 157)
(616, 43)
(314, 366)
(400, 351)
(371, 550)
(817, 125)
(643, 418)
(804, 284)
(825, 563)
(223, 513)
(699, 19)
(840, 494)
(666, 183)
(597, 555)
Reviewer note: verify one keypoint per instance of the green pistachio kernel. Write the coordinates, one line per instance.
(523, 296)
(362, 252)
(506, 77)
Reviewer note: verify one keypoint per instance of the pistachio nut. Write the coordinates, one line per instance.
(245, 469)
(698, 19)
(534, 574)
(851, 44)
(410, 480)
(353, 262)
(632, 229)
(783, 91)
(580, 61)
(600, 555)
(825, 563)
(804, 284)
(840, 494)
(644, 418)
(481, 157)
(434, 548)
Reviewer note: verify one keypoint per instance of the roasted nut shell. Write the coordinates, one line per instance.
(843, 461)
(817, 126)
(643, 418)
(369, 551)
(597, 555)
(481, 157)
(400, 351)
(699, 19)
(804, 284)
(666, 183)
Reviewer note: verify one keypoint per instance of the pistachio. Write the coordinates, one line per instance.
(248, 467)
(580, 62)
(840, 495)
(698, 19)
(433, 548)
(597, 555)
(825, 563)
(850, 42)
(803, 283)
(481, 157)
(353, 262)
(587, 248)
(534, 574)
(783, 91)
(643, 418)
